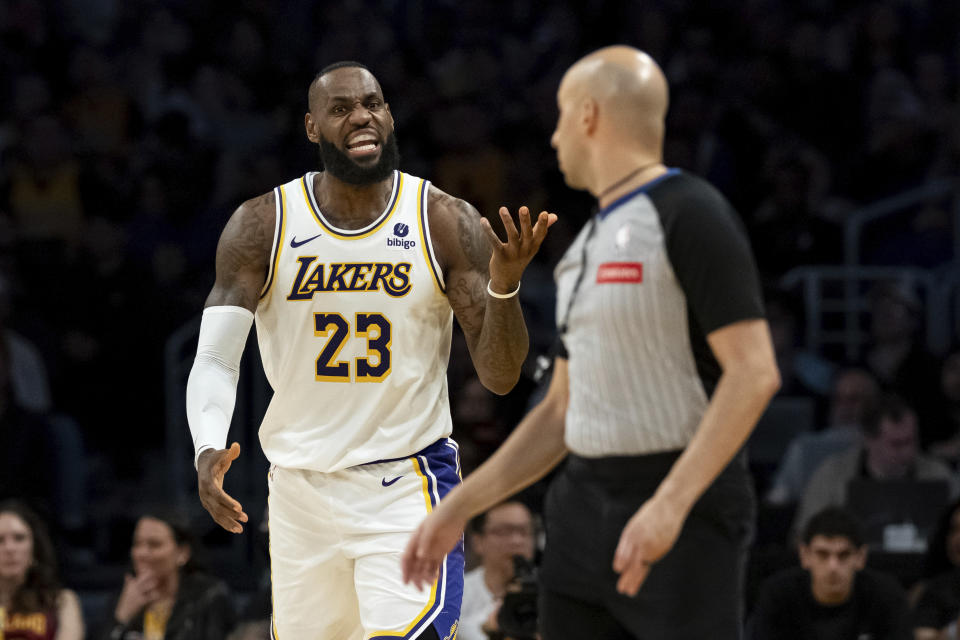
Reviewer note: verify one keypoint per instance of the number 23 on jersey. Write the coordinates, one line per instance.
(373, 327)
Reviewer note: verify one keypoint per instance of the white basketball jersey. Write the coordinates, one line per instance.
(354, 331)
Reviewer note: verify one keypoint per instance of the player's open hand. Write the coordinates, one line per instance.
(648, 536)
(510, 258)
(436, 536)
(211, 467)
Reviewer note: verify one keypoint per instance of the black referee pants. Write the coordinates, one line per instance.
(694, 592)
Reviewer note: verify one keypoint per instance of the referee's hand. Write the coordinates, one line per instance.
(648, 536)
(436, 536)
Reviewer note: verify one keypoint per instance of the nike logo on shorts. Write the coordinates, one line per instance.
(387, 483)
(294, 244)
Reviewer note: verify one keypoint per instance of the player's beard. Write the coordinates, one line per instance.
(342, 167)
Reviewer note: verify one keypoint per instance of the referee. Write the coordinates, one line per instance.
(666, 364)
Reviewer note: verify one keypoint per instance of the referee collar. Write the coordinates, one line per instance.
(646, 186)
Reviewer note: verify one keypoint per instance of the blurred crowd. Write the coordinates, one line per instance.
(129, 131)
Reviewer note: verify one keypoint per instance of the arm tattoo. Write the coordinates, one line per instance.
(245, 245)
(471, 305)
(473, 241)
(244, 252)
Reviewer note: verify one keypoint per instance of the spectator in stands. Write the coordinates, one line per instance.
(167, 597)
(890, 451)
(498, 535)
(854, 390)
(41, 454)
(937, 603)
(27, 448)
(33, 604)
(45, 187)
(28, 373)
(895, 354)
(477, 426)
(831, 596)
(805, 372)
(788, 228)
(947, 417)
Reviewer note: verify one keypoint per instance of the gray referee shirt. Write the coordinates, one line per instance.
(661, 267)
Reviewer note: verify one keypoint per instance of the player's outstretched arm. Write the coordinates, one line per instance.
(534, 447)
(473, 257)
(243, 255)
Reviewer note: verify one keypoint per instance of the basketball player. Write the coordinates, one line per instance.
(666, 364)
(353, 275)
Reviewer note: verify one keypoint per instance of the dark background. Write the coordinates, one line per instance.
(129, 131)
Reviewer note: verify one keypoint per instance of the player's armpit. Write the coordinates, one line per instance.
(243, 254)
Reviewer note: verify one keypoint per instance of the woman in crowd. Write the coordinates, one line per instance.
(33, 605)
(167, 597)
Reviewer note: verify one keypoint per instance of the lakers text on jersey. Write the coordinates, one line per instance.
(354, 331)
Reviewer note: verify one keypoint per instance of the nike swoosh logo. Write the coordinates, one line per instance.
(294, 244)
(387, 484)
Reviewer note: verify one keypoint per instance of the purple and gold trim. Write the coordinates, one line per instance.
(428, 255)
(278, 241)
(343, 234)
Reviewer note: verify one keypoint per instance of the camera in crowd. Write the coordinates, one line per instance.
(517, 618)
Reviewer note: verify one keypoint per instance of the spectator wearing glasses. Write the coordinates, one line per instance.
(497, 536)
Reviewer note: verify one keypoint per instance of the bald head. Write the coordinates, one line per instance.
(628, 87)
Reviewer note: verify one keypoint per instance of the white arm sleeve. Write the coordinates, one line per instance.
(212, 385)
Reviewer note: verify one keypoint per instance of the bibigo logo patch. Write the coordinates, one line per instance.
(398, 241)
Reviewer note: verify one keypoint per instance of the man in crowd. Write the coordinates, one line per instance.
(854, 391)
(831, 596)
(890, 451)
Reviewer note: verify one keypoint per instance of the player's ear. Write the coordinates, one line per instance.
(311, 127)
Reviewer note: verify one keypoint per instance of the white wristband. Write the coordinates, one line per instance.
(502, 296)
